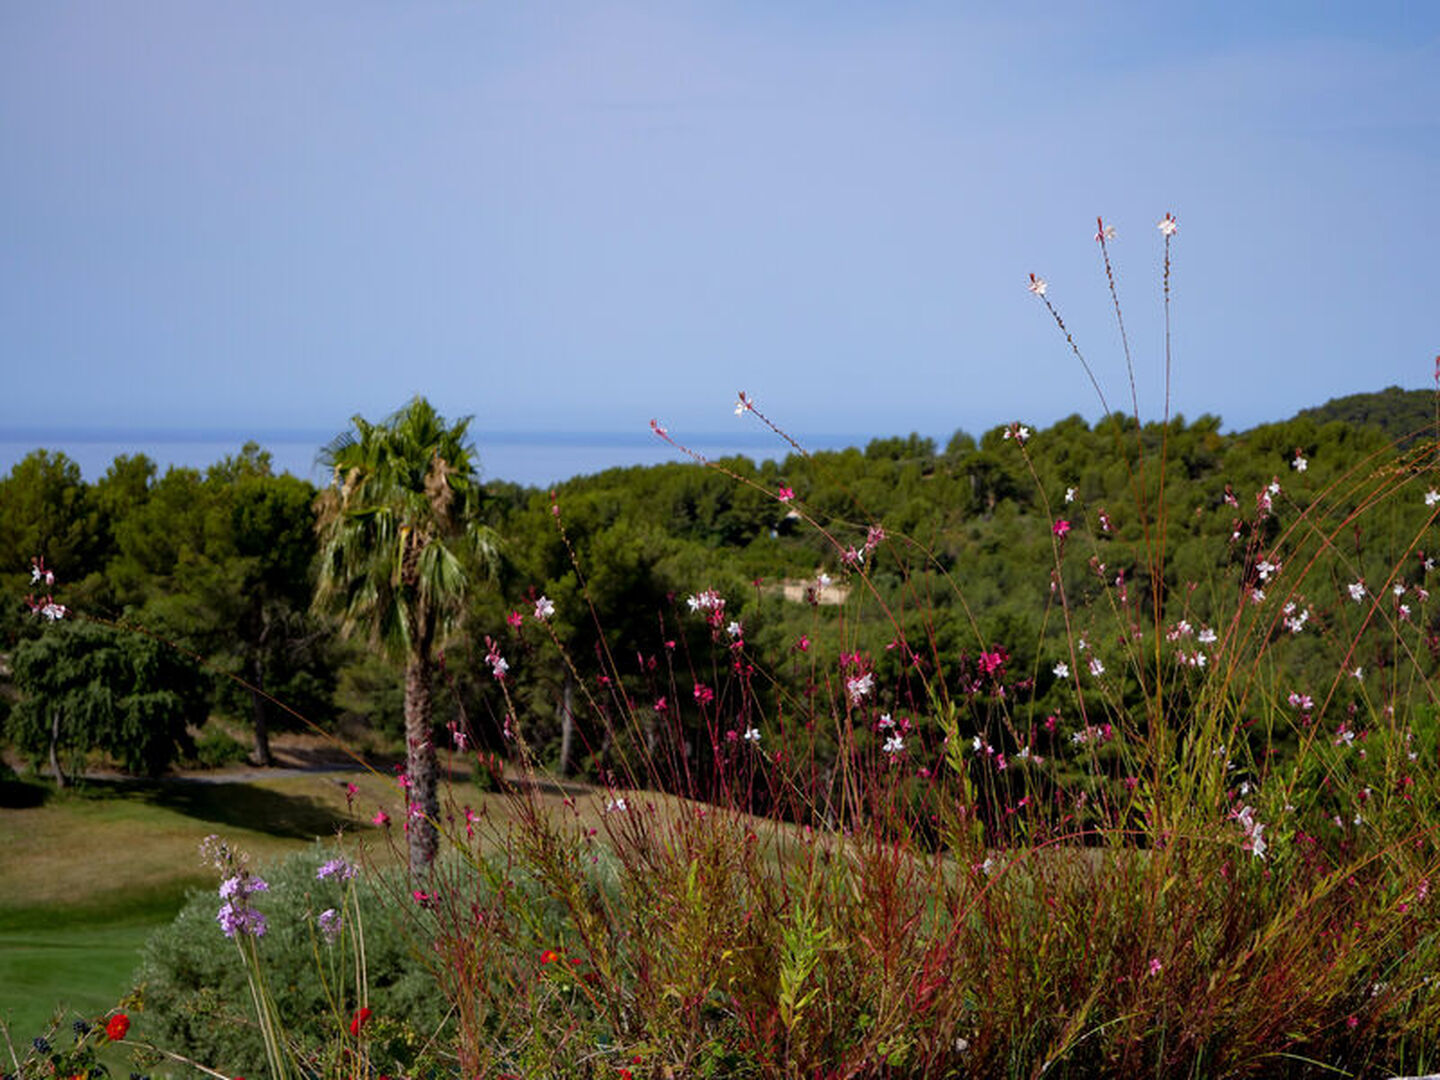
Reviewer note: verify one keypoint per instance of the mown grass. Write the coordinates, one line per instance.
(87, 875)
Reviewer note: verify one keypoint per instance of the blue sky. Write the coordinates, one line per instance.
(577, 217)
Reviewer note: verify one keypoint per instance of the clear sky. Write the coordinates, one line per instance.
(576, 217)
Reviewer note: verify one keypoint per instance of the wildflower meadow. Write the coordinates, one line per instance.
(1175, 817)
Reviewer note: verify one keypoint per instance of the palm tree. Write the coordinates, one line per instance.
(399, 549)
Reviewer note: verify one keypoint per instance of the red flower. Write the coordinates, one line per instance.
(117, 1027)
(359, 1020)
(549, 956)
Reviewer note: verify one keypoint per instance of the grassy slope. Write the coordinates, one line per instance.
(86, 876)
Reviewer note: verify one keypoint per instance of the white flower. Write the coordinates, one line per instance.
(1266, 569)
(1105, 232)
(709, 600)
(1037, 285)
(977, 744)
(500, 666)
(1357, 591)
(1253, 829)
(752, 735)
(734, 629)
(616, 806)
(1274, 488)
(1062, 670)
(1258, 845)
(1299, 464)
(544, 608)
(1096, 667)
(1206, 636)
(894, 744)
(859, 687)
(1168, 226)
(885, 721)
(1069, 494)
(53, 611)
(1432, 497)
(824, 580)
(1358, 674)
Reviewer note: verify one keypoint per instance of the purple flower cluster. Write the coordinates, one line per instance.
(236, 916)
(339, 869)
(331, 923)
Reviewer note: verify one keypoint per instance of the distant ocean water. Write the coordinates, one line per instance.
(534, 459)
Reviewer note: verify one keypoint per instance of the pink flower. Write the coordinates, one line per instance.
(515, 619)
(381, 818)
(1060, 528)
(804, 643)
(703, 694)
(785, 494)
(1155, 966)
(993, 663)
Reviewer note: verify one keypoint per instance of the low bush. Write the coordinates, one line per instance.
(196, 996)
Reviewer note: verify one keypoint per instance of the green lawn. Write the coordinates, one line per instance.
(78, 969)
(86, 876)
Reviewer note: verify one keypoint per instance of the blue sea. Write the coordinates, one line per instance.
(528, 458)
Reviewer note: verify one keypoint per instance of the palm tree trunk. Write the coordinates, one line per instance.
(421, 766)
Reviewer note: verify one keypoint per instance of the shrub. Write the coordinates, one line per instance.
(217, 748)
(197, 999)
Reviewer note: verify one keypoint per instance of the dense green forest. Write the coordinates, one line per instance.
(721, 597)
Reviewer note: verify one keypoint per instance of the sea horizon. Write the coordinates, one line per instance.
(528, 458)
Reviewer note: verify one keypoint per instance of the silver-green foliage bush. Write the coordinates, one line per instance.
(197, 1001)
